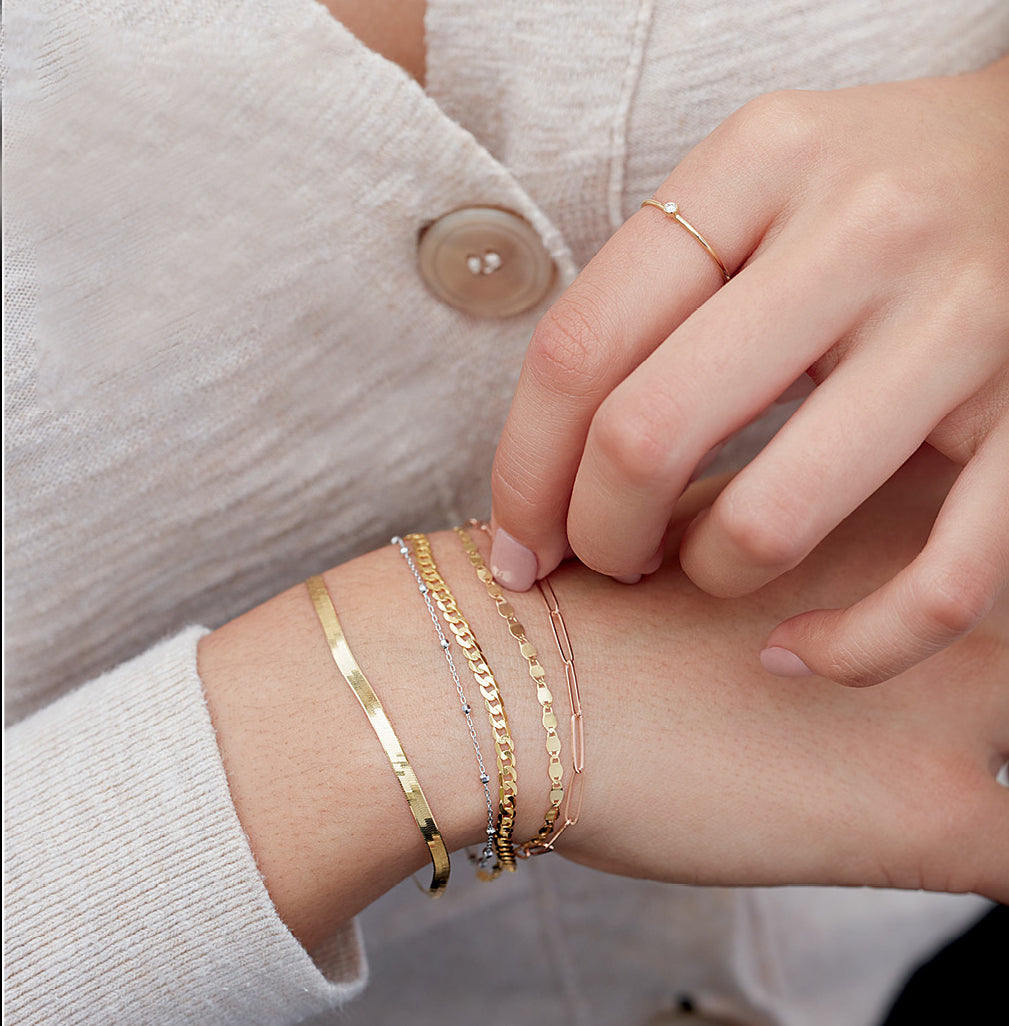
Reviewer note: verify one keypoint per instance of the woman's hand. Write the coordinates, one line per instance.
(868, 233)
(702, 768)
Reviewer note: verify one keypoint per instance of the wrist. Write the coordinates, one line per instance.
(323, 810)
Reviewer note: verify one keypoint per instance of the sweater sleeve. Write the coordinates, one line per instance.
(131, 892)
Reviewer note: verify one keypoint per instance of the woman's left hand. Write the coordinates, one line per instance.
(867, 232)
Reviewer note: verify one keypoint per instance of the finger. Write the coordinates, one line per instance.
(943, 594)
(862, 424)
(725, 364)
(958, 436)
(617, 311)
(644, 282)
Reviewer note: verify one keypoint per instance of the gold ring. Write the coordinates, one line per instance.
(671, 210)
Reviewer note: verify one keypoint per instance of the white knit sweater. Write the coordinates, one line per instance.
(223, 373)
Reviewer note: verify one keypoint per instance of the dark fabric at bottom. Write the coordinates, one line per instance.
(965, 982)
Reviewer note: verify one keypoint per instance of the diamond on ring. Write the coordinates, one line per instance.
(672, 210)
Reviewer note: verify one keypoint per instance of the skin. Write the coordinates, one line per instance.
(867, 230)
(701, 767)
(393, 28)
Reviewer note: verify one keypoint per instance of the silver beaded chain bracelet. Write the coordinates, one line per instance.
(486, 860)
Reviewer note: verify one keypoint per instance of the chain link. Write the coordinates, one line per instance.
(507, 772)
(555, 768)
(576, 785)
(486, 860)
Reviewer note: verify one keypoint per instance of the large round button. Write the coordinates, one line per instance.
(485, 261)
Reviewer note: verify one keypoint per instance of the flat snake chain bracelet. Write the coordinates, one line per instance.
(486, 860)
(573, 792)
(507, 773)
(359, 684)
(555, 769)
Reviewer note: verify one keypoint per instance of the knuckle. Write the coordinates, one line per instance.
(954, 603)
(884, 219)
(634, 438)
(786, 124)
(962, 433)
(766, 536)
(927, 616)
(982, 284)
(978, 296)
(565, 351)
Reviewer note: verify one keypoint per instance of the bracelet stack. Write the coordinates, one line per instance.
(500, 850)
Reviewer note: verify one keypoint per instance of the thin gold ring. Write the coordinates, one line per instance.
(671, 210)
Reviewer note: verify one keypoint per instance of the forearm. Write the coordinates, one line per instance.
(700, 767)
(325, 815)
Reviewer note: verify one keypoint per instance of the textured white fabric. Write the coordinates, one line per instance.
(223, 372)
(274, 374)
(126, 865)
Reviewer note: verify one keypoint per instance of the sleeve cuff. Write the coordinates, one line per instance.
(131, 890)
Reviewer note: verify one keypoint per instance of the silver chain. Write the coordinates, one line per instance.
(487, 856)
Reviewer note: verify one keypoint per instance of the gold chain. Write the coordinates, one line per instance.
(359, 684)
(507, 773)
(555, 768)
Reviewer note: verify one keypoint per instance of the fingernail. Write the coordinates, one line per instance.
(783, 663)
(627, 578)
(513, 565)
